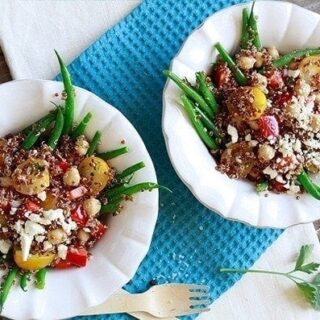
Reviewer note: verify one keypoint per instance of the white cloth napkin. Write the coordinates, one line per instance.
(30, 29)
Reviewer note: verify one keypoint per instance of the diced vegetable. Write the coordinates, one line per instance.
(34, 262)
(77, 257)
(269, 126)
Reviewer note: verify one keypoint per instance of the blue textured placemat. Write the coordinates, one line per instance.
(124, 67)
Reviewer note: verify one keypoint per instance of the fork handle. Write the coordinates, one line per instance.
(120, 303)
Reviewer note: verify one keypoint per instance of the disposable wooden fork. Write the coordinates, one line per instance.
(162, 301)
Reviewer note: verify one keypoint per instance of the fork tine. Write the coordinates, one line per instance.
(194, 311)
(193, 287)
(198, 294)
(198, 304)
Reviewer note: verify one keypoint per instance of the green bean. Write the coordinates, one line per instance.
(253, 25)
(113, 153)
(40, 278)
(94, 143)
(207, 122)
(262, 186)
(28, 129)
(25, 278)
(206, 92)
(131, 190)
(308, 185)
(245, 32)
(201, 130)
(7, 284)
(116, 190)
(34, 135)
(80, 129)
(289, 57)
(237, 73)
(57, 131)
(68, 88)
(111, 208)
(190, 92)
(130, 170)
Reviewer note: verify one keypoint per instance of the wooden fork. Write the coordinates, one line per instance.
(162, 301)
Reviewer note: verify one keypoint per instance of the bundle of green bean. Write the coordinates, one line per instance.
(201, 105)
(60, 122)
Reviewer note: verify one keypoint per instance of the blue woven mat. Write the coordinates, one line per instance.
(124, 67)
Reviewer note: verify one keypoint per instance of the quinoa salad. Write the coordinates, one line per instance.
(56, 191)
(258, 113)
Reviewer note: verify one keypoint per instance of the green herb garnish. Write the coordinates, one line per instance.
(309, 289)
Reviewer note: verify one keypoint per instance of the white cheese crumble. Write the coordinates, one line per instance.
(5, 246)
(47, 245)
(233, 132)
(270, 172)
(62, 251)
(42, 196)
(294, 73)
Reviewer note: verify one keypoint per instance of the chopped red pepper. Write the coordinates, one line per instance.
(269, 126)
(62, 264)
(99, 230)
(79, 216)
(275, 80)
(31, 206)
(77, 257)
(78, 192)
(64, 166)
(277, 186)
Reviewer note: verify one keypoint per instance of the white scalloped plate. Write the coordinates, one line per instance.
(282, 24)
(117, 256)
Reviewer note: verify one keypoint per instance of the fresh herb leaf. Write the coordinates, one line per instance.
(309, 268)
(309, 289)
(311, 293)
(316, 280)
(262, 186)
(305, 253)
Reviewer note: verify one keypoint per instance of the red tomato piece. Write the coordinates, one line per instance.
(31, 206)
(99, 230)
(78, 192)
(64, 166)
(277, 186)
(283, 99)
(62, 264)
(79, 216)
(269, 126)
(275, 80)
(77, 257)
(220, 76)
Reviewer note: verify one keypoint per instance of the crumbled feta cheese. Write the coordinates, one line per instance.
(5, 229)
(13, 211)
(233, 132)
(247, 137)
(294, 73)
(270, 172)
(5, 246)
(33, 228)
(62, 251)
(42, 196)
(47, 245)
(18, 226)
(25, 241)
(40, 238)
(56, 214)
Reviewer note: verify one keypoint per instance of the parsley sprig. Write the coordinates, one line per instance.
(309, 289)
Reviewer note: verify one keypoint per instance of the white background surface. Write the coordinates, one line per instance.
(29, 30)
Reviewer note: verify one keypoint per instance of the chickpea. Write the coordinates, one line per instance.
(315, 122)
(274, 53)
(83, 235)
(57, 236)
(259, 60)
(266, 152)
(302, 88)
(72, 177)
(82, 146)
(246, 63)
(92, 206)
